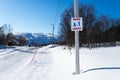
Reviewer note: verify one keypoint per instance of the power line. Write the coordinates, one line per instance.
(58, 10)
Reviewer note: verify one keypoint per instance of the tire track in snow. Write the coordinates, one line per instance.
(34, 55)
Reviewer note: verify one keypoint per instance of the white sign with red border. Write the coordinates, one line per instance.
(76, 24)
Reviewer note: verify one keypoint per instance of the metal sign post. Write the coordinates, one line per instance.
(77, 38)
(76, 25)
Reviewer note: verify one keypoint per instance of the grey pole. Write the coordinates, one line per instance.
(76, 39)
(53, 32)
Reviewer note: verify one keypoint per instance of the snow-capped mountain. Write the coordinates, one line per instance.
(39, 38)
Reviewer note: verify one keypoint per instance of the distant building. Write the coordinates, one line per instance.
(13, 41)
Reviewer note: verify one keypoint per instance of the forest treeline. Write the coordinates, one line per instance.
(98, 29)
(7, 37)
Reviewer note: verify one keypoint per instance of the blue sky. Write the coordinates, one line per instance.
(36, 15)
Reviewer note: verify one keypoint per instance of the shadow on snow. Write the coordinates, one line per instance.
(53, 46)
(103, 68)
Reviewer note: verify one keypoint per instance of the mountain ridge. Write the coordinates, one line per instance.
(39, 38)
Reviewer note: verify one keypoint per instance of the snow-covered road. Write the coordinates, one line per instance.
(13, 60)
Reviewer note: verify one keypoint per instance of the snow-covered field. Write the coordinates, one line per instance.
(56, 63)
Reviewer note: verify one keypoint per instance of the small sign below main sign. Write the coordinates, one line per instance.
(76, 24)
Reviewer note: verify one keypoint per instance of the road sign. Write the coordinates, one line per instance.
(76, 24)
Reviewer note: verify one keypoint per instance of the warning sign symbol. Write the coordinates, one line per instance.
(76, 24)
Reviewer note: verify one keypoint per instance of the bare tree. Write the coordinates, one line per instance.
(5, 33)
